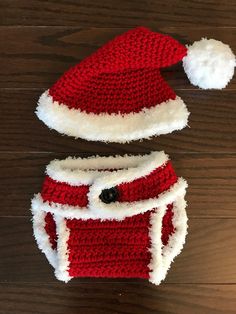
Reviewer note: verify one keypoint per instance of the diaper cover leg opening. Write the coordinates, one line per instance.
(141, 246)
(168, 231)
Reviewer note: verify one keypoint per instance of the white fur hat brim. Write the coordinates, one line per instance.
(160, 119)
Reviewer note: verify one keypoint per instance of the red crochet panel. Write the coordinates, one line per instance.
(123, 76)
(109, 248)
(113, 248)
(158, 181)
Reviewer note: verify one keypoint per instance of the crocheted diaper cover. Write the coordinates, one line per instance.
(121, 216)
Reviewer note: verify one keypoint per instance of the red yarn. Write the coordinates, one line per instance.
(109, 248)
(50, 228)
(167, 225)
(123, 76)
(63, 193)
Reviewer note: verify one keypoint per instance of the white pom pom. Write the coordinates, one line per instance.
(209, 64)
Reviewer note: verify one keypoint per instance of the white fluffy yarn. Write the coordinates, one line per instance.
(209, 64)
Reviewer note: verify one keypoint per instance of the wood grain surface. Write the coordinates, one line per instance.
(39, 40)
(118, 13)
(118, 298)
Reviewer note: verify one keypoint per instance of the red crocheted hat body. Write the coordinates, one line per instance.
(118, 94)
(111, 217)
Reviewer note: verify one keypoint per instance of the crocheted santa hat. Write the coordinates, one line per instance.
(118, 94)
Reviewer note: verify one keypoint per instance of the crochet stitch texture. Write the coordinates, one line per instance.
(123, 76)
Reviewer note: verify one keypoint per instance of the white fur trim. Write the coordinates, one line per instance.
(209, 64)
(61, 272)
(155, 232)
(57, 258)
(78, 171)
(118, 211)
(41, 235)
(162, 256)
(161, 119)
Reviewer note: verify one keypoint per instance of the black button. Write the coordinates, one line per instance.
(109, 195)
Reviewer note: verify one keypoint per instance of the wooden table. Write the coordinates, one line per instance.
(39, 40)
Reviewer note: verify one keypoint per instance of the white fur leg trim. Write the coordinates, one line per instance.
(61, 272)
(177, 240)
(41, 235)
(155, 232)
(57, 258)
(161, 119)
(162, 256)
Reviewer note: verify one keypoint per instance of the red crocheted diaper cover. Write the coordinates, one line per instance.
(121, 216)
